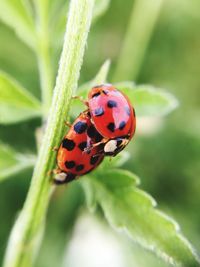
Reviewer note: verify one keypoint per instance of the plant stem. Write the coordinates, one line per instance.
(142, 22)
(25, 236)
(43, 54)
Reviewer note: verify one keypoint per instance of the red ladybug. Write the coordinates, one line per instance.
(113, 117)
(73, 158)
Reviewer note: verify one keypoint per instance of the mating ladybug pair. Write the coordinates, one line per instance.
(104, 129)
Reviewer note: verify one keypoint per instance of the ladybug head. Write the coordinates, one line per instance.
(63, 177)
(114, 146)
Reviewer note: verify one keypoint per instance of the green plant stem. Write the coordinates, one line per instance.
(43, 54)
(26, 234)
(142, 22)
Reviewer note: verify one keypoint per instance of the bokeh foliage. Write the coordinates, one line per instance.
(167, 160)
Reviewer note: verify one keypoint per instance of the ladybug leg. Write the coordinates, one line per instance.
(97, 154)
(68, 124)
(49, 173)
(124, 142)
(89, 148)
(55, 149)
(103, 141)
(80, 98)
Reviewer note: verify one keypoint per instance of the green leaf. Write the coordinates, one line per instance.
(12, 162)
(89, 194)
(116, 161)
(133, 211)
(125, 85)
(16, 103)
(101, 6)
(150, 101)
(17, 15)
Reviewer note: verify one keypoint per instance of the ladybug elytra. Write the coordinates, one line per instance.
(73, 158)
(113, 117)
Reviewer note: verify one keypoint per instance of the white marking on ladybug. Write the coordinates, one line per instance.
(110, 146)
(60, 176)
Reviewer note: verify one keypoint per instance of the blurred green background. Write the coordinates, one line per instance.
(165, 154)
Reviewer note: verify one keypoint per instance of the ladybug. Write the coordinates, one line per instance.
(113, 117)
(73, 157)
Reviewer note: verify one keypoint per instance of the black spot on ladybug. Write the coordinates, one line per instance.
(122, 125)
(99, 112)
(98, 137)
(79, 167)
(68, 144)
(94, 160)
(111, 126)
(80, 127)
(82, 145)
(112, 104)
(128, 111)
(96, 94)
(92, 133)
(69, 164)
